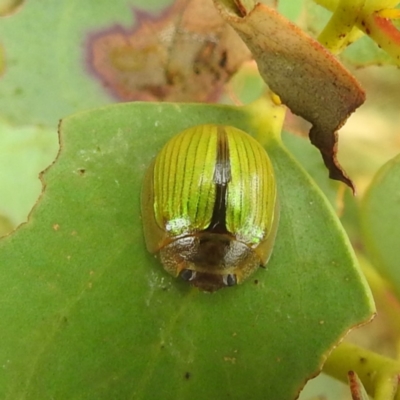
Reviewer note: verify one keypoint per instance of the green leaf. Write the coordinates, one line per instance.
(310, 159)
(365, 52)
(380, 220)
(24, 152)
(87, 313)
(290, 9)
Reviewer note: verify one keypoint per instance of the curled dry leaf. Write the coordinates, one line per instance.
(308, 79)
(186, 53)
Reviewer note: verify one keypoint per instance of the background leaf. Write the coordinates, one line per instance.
(380, 219)
(88, 313)
(24, 152)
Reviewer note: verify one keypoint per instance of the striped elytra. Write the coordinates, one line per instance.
(209, 206)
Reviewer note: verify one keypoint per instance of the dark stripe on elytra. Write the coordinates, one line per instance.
(222, 176)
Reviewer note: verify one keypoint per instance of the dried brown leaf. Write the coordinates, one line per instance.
(308, 79)
(185, 54)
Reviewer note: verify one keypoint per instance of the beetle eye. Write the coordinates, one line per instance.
(230, 280)
(187, 275)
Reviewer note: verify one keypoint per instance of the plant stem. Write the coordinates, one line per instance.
(380, 375)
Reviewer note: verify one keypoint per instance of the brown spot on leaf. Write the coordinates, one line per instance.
(223, 60)
(56, 227)
(308, 79)
(186, 53)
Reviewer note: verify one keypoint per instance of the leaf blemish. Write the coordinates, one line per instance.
(145, 62)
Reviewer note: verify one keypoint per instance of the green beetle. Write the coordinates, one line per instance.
(209, 206)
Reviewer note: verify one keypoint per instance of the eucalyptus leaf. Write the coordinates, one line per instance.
(380, 221)
(24, 152)
(87, 313)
